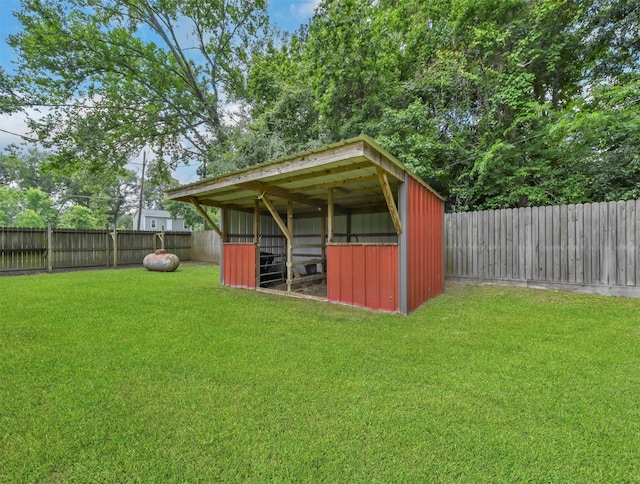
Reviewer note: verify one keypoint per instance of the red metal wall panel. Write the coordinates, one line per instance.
(425, 244)
(364, 275)
(239, 266)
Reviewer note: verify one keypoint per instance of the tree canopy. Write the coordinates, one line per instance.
(494, 103)
(122, 75)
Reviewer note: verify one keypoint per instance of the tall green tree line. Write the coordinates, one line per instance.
(495, 103)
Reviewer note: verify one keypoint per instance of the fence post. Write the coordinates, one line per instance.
(114, 236)
(49, 249)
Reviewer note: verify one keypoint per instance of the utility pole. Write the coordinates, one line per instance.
(144, 165)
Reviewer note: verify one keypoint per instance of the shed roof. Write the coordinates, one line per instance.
(351, 167)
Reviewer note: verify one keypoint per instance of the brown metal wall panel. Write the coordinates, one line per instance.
(239, 265)
(363, 275)
(424, 226)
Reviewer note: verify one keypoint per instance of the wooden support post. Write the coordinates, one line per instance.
(205, 215)
(49, 249)
(348, 227)
(161, 237)
(391, 204)
(330, 216)
(256, 221)
(225, 226)
(276, 216)
(256, 237)
(289, 245)
(323, 241)
(114, 235)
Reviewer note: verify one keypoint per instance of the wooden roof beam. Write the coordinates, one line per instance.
(388, 196)
(322, 173)
(260, 188)
(230, 206)
(338, 184)
(279, 192)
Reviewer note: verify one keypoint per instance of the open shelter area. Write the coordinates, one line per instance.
(349, 216)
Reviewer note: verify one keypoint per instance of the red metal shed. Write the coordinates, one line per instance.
(347, 223)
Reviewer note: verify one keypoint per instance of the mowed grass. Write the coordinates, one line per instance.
(129, 375)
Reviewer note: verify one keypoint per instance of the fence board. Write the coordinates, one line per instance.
(515, 244)
(564, 243)
(474, 243)
(557, 248)
(603, 214)
(535, 241)
(529, 241)
(464, 224)
(579, 250)
(522, 240)
(631, 243)
(501, 246)
(484, 224)
(611, 251)
(206, 246)
(548, 243)
(571, 243)
(621, 241)
(542, 246)
(637, 245)
(507, 216)
(586, 245)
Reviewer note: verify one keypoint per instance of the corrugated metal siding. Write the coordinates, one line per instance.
(239, 226)
(239, 267)
(425, 239)
(363, 275)
(370, 223)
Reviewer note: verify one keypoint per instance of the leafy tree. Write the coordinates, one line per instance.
(27, 169)
(78, 217)
(354, 51)
(122, 75)
(9, 100)
(30, 219)
(11, 200)
(191, 216)
(38, 202)
(284, 114)
(125, 222)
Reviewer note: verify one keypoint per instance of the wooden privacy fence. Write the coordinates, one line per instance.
(35, 250)
(592, 248)
(206, 246)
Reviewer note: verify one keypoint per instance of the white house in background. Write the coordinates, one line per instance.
(156, 219)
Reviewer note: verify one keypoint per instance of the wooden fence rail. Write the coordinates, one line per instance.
(592, 248)
(37, 250)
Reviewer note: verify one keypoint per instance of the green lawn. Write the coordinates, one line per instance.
(130, 375)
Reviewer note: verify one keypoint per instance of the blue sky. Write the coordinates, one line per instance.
(288, 14)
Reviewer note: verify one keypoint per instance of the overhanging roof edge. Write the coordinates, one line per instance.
(230, 179)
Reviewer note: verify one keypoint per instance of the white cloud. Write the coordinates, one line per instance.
(302, 11)
(13, 127)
